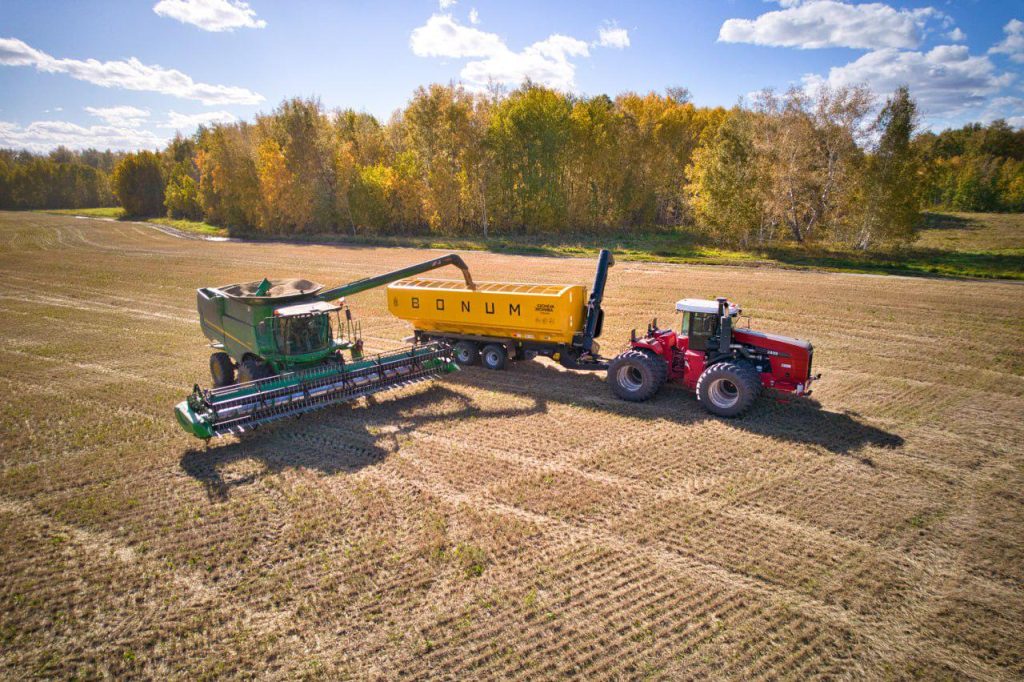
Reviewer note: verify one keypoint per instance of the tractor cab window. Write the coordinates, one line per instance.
(699, 327)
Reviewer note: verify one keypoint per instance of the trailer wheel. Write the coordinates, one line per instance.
(494, 356)
(636, 376)
(466, 353)
(728, 389)
(222, 369)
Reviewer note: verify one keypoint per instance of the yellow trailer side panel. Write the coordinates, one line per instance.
(536, 312)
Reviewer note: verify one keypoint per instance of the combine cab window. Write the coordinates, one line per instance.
(302, 334)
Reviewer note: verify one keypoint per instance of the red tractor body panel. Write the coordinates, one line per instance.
(785, 362)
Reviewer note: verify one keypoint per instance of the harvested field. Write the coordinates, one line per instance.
(516, 524)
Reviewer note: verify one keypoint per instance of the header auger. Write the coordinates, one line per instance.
(280, 351)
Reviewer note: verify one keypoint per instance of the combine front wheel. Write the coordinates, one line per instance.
(728, 389)
(222, 369)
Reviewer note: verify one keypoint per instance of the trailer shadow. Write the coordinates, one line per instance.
(801, 421)
(344, 439)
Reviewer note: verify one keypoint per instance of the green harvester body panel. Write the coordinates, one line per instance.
(293, 333)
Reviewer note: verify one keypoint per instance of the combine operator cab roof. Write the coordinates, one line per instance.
(700, 305)
(306, 309)
(271, 290)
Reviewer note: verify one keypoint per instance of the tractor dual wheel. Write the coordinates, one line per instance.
(466, 353)
(222, 370)
(728, 389)
(494, 356)
(637, 375)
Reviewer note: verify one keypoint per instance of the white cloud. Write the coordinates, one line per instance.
(445, 4)
(442, 36)
(189, 121)
(611, 35)
(946, 81)
(1009, 108)
(130, 74)
(42, 136)
(210, 15)
(546, 62)
(830, 23)
(122, 116)
(474, 16)
(1013, 44)
(956, 35)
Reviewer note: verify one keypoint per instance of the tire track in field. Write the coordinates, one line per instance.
(773, 593)
(708, 571)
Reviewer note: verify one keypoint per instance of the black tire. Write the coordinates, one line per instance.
(222, 369)
(728, 389)
(466, 353)
(493, 356)
(252, 370)
(636, 376)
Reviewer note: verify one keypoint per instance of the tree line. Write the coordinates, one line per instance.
(61, 179)
(824, 167)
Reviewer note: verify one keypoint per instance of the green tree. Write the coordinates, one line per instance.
(892, 180)
(181, 196)
(139, 184)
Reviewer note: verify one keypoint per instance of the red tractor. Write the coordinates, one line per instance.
(726, 366)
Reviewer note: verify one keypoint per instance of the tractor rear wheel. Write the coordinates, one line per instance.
(494, 356)
(222, 369)
(636, 376)
(728, 389)
(466, 353)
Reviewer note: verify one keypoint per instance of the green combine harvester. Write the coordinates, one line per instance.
(280, 352)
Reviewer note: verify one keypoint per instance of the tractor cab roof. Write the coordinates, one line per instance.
(700, 305)
(306, 309)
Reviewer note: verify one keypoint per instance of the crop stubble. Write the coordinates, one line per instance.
(523, 523)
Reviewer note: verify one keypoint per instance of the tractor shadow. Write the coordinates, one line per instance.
(342, 439)
(800, 421)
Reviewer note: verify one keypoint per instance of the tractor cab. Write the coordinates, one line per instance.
(702, 319)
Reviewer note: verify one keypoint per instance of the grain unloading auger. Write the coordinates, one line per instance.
(280, 349)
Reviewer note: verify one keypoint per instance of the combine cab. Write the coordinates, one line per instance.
(727, 367)
(280, 350)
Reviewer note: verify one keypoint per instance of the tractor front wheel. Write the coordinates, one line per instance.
(636, 376)
(728, 389)
(222, 369)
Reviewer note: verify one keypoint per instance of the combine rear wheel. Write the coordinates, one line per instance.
(494, 356)
(466, 353)
(636, 376)
(222, 369)
(728, 389)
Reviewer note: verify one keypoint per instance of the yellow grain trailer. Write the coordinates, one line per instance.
(493, 322)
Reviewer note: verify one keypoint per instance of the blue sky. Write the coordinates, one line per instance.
(127, 75)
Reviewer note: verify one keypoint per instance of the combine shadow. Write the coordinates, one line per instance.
(343, 439)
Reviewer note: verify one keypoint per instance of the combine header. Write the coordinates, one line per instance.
(280, 352)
